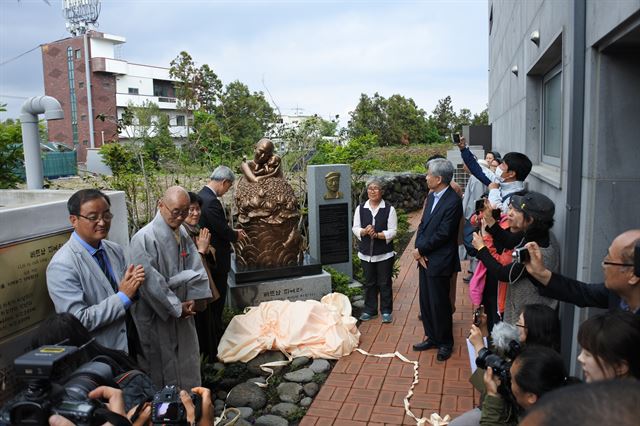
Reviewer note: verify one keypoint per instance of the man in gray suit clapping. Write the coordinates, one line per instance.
(89, 277)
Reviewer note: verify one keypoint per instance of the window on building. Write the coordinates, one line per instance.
(552, 116)
(78, 54)
(133, 90)
(83, 117)
(180, 120)
(80, 84)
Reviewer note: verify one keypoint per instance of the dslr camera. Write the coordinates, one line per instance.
(501, 366)
(41, 369)
(167, 407)
(520, 255)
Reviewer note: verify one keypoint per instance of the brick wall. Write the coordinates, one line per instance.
(56, 84)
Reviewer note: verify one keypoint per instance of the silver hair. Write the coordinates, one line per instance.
(443, 168)
(374, 181)
(222, 173)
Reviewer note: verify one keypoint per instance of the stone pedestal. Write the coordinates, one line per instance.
(310, 287)
(330, 217)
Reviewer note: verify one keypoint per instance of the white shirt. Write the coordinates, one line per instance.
(436, 198)
(495, 195)
(389, 233)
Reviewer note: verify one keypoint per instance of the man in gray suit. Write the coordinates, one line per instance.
(89, 278)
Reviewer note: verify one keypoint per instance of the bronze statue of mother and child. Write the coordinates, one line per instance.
(268, 211)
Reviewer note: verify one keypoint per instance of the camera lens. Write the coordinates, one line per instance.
(86, 378)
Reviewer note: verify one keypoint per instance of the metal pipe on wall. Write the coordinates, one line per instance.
(31, 137)
(87, 73)
(574, 172)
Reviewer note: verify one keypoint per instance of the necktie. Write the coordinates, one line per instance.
(102, 262)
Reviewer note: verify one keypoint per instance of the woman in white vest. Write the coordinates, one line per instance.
(375, 225)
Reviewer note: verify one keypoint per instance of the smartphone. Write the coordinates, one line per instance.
(479, 205)
(495, 213)
(477, 316)
(456, 138)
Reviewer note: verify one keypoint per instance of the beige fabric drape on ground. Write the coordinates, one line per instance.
(309, 328)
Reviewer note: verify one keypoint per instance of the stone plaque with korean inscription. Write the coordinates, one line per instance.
(310, 287)
(24, 300)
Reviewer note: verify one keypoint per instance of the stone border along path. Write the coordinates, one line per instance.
(370, 391)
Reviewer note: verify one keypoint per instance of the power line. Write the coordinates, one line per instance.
(13, 97)
(19, 56)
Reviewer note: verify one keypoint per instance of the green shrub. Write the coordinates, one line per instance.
(340, 283)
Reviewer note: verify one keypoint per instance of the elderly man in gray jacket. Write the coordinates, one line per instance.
(89, 278)
(176, 286)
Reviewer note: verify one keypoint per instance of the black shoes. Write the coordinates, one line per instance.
(444, 353)
(424, 345)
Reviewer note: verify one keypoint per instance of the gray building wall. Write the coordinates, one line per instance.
(606, 135)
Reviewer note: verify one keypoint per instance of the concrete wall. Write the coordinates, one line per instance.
(27, 217)
(610, 175)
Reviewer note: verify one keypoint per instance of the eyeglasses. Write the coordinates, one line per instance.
(606, 262)
(176, 213)
(521, 325)
(373, 189)
(94, 218)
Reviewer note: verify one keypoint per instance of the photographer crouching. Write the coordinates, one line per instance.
(72, 380)
(512, 389)
(530, 217)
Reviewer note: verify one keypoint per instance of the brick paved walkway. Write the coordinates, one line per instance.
(369, 391)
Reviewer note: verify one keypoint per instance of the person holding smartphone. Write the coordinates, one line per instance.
(530, 218)
(507, 179)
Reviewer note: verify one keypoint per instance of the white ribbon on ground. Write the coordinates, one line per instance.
(435, 418)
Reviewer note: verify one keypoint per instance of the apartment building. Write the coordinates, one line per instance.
(110, 85)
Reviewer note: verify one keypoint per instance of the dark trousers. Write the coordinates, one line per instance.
(207, 327)
(490, 300)
(435, 308)
(378, 282)
(217, 307)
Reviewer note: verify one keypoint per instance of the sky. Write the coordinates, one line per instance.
(308, 57)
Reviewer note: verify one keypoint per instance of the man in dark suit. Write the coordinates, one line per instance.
(437, 255)
(621, 287)
(214, 219)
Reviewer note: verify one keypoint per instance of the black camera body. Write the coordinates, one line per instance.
(167, 407)
(521, 255)
(501, 366)
(44, 397)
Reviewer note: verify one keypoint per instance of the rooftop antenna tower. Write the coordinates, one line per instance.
(81, 15)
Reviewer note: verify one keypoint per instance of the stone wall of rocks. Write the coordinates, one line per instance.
(406, 191)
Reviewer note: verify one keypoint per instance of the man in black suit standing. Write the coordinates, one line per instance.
(437, 255)
(214, 219)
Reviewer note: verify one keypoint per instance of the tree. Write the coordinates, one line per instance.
(11, 154)
(184, 70)
(482, 118)
(443, 117)
(397, 120)
(208, 88)
(463, 118)
(243, 116)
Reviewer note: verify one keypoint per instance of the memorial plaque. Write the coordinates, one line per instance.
(334, 233)
(24, 299)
